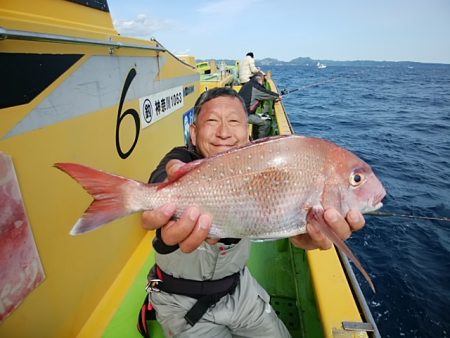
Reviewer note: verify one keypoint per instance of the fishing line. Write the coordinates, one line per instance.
(288, 91)
(392, 214)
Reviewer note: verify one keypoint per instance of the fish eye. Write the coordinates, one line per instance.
(356, 179)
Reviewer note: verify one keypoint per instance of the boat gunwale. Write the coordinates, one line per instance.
(12, 34)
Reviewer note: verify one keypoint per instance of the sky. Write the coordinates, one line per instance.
(381, 30)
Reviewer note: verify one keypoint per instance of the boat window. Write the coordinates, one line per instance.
(27, 75)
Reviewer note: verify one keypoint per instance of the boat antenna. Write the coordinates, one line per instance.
(393, 214)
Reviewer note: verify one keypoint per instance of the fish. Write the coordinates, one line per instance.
(267, 189)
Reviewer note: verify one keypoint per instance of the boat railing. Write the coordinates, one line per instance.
(370, 326)
(56, 38)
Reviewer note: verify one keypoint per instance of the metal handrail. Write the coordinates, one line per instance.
(359, 295)
(35, 36)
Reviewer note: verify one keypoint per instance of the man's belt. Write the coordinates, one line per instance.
(207, 292)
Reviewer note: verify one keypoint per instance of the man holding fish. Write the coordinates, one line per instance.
(214, 197)
(186, 257)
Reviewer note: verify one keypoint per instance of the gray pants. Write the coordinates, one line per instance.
(262, 125)
(245, 313)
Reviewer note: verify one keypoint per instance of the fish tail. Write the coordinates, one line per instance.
(110, 192)
(316, 217)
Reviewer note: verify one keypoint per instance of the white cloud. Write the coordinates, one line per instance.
(143, 26)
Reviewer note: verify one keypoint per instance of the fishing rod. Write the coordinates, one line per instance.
(288, 91)
(392, 214)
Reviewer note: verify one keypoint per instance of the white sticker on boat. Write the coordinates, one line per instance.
(157, 106)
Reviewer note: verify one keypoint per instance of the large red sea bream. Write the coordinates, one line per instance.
(265, 190)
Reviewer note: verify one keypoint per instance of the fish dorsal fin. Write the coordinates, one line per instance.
(180, 173)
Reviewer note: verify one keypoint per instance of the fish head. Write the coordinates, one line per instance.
(351, 184)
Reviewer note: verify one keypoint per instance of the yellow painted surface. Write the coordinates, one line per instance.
(55, 17)
(101, 316)
(280, 112)
(333, 295)
(79, 270)
(189, 59)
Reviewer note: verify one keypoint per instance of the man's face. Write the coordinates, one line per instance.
(221, 125)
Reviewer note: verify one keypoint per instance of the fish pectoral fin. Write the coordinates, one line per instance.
(180, 173)
(315, 217)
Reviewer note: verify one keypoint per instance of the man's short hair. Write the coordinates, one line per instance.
(251, 55)
(212, 94)
(258, 77)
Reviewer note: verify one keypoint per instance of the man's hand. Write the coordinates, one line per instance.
(315, 239)
(189, 231)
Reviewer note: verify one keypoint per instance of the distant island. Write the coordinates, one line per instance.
(307, 61)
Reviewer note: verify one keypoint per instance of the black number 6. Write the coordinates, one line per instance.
(131, 112)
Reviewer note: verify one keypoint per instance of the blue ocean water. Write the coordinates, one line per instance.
(397, 119)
